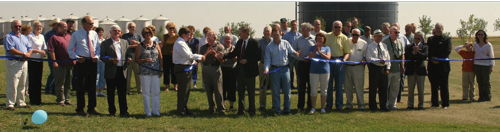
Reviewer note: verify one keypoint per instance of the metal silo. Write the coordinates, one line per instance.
(1, 27)
(7, 26)
(77, 25)
(123, 22)
(107, 19)
(160, 22)
(371, 14)
(106, 24)
(26, 20)
(140, 23)
(46, 26)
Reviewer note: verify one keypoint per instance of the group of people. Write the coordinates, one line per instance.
(332, 62)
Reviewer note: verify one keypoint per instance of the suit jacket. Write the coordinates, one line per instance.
(416, 62)
(252, 54)
(108, 49)
(439, 47)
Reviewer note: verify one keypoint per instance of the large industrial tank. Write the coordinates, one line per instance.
(1, 27)
(26, 20)
(106, 24)
(160, 22)
(140, 23)
(77, 25)
(371, 14)
(123, 23)
(46, 26)
(7, 26)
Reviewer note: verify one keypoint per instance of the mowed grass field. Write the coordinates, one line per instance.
(460, 116)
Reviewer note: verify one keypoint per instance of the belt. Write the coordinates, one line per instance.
(279, 66)
(352, 64)
(182, 65)
(337, 57)
(210, 64)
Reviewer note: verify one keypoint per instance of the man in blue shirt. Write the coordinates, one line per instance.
(266, 39)
(16, 46)
(277, 59)
(133, 39)
(291, 37)
(85, 47)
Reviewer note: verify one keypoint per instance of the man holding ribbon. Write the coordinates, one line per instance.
(439, 71)
(85, 47)
(58, 44)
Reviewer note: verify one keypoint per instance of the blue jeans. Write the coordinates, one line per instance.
(49, 85)
(281, 80)
(337, 75)
(195, 75)
(101, 81)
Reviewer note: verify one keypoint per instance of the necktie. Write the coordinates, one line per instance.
(243, 49)
(379, 51)
(91, 49)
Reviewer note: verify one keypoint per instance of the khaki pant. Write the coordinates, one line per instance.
(263, 91)
(468, 85)
(393, 89)
(16, 76)
(212, 77)
(133, 67)
(62, 78)
(420, 80)
(354, 79)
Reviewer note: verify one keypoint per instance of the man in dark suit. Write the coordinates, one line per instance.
(416, 53)
(248, 54)
(116, 69)
(439, 71)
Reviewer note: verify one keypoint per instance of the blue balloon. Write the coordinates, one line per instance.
(39, 117)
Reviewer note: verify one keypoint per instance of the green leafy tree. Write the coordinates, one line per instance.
(234, 28)
(470, 26)
(447, 34)
(496, 25)
(197, 33)
(425, 24)
(159, 34)
(323, 22)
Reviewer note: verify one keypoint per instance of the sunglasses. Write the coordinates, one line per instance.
(336, 27)
(131, 27)
(397, 32)
(147, 33)
(17, 26)
(172, 28)
(90, 23)
(418, 39)
(355, 35)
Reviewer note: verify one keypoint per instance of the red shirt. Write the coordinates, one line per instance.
(467, 66)
(59, 43)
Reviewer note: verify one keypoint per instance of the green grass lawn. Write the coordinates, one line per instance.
(460, 116)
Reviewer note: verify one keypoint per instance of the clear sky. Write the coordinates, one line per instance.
(216, 14)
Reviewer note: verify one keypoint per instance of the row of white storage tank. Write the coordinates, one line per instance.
(159, 22)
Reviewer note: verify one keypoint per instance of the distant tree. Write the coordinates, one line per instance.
(470, 26)
(425, 24)
(235, 27)
(323, 22)
(447, 34)
(496, 25)
(197, 33)
(160, 33)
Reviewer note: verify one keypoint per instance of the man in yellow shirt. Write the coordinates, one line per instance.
(339, 44)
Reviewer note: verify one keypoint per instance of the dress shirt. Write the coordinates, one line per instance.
(58, 43)
(182, 54)
(339, 45)
(368, 40)
(233, 42)
(411, 38)
(245, 42)
(358, 50)
(277, 54)
(313, 32)
(283, 31)
(37, 43)
(303, 44)
(263, 44)
(20, 43)
(372, 54)
(79, 43)
(118, 51)
(482, 53)
(291, 37)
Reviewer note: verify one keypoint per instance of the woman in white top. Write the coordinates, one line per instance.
(101, 81)
(35, 67)
(483, 68)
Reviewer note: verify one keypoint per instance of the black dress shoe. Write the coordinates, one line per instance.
(82, 113)
(409, 107)
(126, 114)
(241, 113)
(112, 115)
(251, 113)
(189, 113)
(93, 112)
(262, 108)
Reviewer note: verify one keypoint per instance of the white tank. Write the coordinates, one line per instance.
(107, 19)
(160, 22)
(2, 22)
(46, 26)
(106, 24)
(7, 25)
(76, 26)
(96, 21)
(140, 23)
(26, 20)
(41, 20)
(123, 22)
